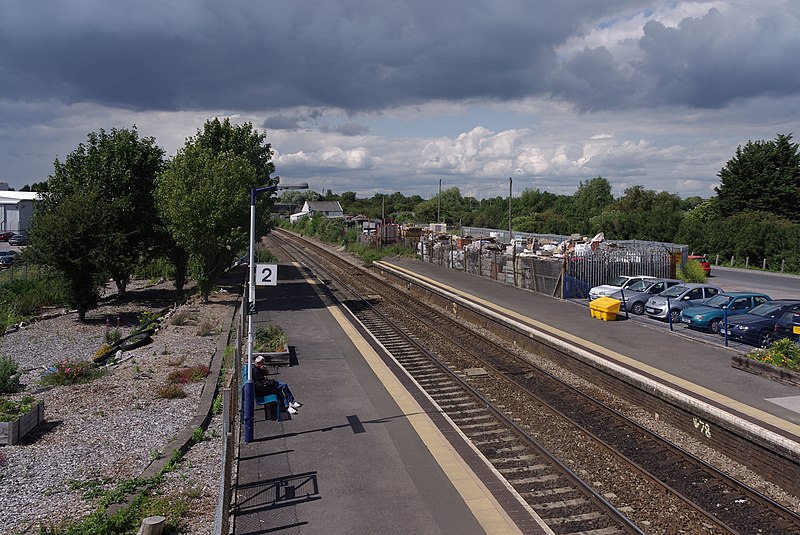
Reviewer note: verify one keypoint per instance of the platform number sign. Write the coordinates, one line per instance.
(266, 274)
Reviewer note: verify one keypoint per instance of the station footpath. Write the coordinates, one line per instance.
(699, 370)
(366, 453)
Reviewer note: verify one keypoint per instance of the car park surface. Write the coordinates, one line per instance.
(620, 282)
(756, 326)
(711, 314)
(669, 303)
(635, 296)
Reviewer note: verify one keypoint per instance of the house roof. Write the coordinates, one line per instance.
(324, 206)
(13, 197)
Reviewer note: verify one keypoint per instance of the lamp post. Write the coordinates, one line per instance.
(249, 386)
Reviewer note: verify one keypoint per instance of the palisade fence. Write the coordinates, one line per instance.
(570, 276)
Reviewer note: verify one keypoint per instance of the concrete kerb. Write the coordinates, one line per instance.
(183, 441)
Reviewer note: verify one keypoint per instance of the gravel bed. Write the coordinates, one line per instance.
(109, 430)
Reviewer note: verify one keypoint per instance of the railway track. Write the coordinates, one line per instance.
(582, 466)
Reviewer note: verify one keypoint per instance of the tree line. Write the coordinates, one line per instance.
(117, 202)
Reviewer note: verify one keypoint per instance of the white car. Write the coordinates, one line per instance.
(618, 283)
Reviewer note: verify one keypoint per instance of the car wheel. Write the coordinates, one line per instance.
(764, 339)
(714, 327)
(134, 341)
(637, 308)
(675, 315)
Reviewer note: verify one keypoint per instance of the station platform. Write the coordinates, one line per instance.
(669, 358)
(366, 453)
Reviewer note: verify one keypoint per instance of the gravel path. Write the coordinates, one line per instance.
(110, 429)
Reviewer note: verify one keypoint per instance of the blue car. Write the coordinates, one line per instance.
(787, 326)
(756, 327)
(710, 314)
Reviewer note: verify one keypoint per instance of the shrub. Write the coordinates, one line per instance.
(692, 271)
(269, 339)
(783, 353)
(181, 317)
(9, 376)
(70, 372)
(264, 255)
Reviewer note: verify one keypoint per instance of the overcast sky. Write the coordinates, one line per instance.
(377, 97)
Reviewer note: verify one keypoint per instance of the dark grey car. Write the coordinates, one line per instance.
(637, 294)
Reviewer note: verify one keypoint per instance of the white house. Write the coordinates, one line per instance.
(330, 209)
(16, 209)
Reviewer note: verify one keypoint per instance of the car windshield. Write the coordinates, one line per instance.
(675, 291)
(640, 286)
(618, 281)
(767, 310)
(718, 301)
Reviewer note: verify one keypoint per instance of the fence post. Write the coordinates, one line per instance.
(764, 265)
(746, 262)
(716, 262)
(783, 261)
(731, 261)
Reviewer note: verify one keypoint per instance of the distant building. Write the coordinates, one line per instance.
(16, 209)
(329, 209)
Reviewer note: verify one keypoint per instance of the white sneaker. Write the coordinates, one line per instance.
(292, 410)
(295, 404)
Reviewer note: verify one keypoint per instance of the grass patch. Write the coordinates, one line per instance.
(269, 339)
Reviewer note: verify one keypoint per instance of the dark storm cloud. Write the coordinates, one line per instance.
(355, 55)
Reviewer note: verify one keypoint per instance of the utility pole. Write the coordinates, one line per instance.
(509, 209)
(439, 206)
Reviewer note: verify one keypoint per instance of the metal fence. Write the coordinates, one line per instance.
(569, 276)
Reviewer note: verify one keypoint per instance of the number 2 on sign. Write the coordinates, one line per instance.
(266, 274)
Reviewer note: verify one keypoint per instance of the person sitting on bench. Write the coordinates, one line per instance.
(265, 386)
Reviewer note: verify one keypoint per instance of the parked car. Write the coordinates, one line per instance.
(623, 281)
(6, 260)
(637, 294)
(19, 238)
(5, 235)
(786, 325)
(677, 298)
(703, 261)
(711, 314)
(756, 326)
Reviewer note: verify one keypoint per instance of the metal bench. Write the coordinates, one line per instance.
(272, 408)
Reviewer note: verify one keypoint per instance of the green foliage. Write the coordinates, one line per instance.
(11, 410)
(70, 372)
(784, 353)
(204, 196)
(268, 339)
(154, 269)
(764, 176)
(9, 376)
(264, 255)
(198, 435)
(692, 271)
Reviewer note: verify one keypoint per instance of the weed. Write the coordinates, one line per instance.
(155, 455)
(170, 391)
(198, 435)
(182, 317)
(146, 319)
(178, 360)
(216, 405)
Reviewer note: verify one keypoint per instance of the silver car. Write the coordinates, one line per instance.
(637, 294)
(623, 281)
(673, 300)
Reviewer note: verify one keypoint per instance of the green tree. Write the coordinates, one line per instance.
(73, 240)
(119, 168)
(589, 201)
(763, 176)
(204, 196)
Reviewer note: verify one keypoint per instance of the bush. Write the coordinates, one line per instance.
(187, 375)
(170, 391)
(70, 372)
(9, 376)
(269, 339)
(692, 271)
(784, 353)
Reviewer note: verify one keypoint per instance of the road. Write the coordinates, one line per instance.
(775, 285)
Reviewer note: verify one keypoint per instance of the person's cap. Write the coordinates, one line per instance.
(259, 359)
